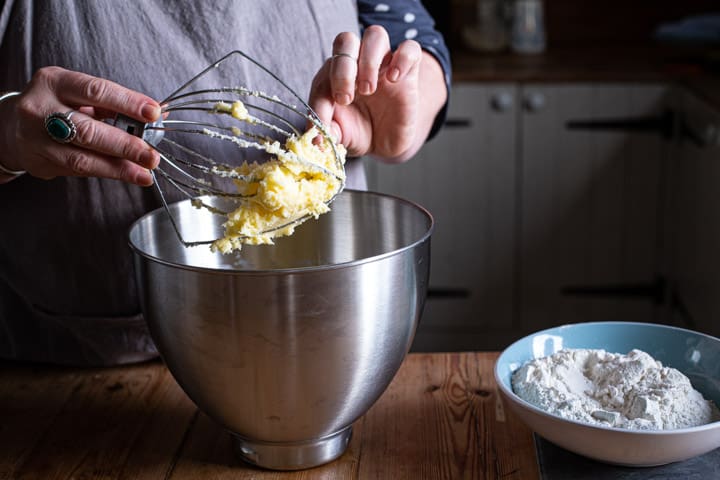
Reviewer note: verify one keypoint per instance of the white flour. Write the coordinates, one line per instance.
(631, 391)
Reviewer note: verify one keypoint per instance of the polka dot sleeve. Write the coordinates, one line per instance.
(409, 20)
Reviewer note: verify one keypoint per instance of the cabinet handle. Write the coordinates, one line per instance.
(654, 290)
(534, 102)
(446, 292)
(457, 123)
(663, 124)
(668, 125)
(502, 102)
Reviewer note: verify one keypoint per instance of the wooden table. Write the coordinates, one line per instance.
(441, 418)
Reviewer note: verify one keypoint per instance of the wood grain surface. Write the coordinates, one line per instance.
(441, 418)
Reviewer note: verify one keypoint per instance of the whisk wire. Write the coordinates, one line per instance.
(259, 133)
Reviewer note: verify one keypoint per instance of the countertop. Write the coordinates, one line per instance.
(698, 70)
(441, 418)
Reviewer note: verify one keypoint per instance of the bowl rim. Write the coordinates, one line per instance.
(293, 270)
(511, 395)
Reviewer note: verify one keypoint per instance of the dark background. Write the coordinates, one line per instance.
(583, 23)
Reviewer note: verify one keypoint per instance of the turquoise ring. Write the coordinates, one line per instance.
(60, 127)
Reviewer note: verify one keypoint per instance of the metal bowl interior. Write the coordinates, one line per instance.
(360, 226)
(695, 354)
(286, 345)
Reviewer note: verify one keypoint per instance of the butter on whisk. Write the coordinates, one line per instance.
(297, 184)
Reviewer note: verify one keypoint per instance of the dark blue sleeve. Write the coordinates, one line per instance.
(409, 20)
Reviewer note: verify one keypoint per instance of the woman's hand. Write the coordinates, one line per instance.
(376, 101)
(98, 149)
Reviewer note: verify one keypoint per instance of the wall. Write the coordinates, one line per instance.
(615, 22)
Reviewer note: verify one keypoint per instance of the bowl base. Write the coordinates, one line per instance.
(293, 455)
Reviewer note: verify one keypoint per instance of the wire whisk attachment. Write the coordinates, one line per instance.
(257, 158)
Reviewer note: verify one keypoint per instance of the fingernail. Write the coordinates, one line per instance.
(342, 98)
(365, 88)
(394, 74)
(150, 112)
(143, 178)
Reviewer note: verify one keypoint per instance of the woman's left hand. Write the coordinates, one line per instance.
(377, 101)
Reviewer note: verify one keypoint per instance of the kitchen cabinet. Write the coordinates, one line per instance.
(589, 216)
(467, 178)
(693, 226)
(527, 209)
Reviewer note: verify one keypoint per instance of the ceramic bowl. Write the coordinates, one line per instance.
(695, 354)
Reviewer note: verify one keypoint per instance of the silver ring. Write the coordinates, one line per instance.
(354, 59)
(60, 127)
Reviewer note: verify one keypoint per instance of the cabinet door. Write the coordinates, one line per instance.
(466, 178)
(590, 201)
(693, 226)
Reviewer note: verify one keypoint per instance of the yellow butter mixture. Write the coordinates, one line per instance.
(297, 183)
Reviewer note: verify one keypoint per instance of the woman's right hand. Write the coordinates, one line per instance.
(98, 149)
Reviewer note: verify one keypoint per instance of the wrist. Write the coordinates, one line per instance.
(7, 173)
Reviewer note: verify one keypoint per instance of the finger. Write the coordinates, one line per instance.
(79, 89)
(343, 68)
(74, 161)
(320, 99)
(405, 60)
(106, 139)
(97, 113)
(374, 48)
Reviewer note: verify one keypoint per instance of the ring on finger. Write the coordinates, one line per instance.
(337, 55)
(60, 126)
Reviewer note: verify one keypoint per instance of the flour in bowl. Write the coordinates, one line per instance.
(632, 391)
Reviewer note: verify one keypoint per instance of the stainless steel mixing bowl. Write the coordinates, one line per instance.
(287, 345)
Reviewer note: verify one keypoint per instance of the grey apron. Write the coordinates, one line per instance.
(67, 292)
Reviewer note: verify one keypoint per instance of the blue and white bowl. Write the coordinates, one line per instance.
(695, 354)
